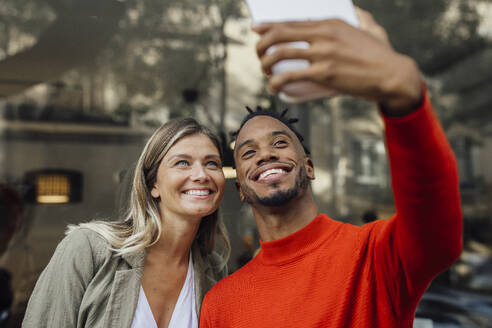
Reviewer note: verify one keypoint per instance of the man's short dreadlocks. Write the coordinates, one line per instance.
(274, 114)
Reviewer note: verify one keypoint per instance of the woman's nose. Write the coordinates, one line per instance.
(199, 173)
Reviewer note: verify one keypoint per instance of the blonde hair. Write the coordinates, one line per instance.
(142, 226)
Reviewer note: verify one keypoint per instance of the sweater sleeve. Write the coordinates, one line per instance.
(58, 293)
(426, 231)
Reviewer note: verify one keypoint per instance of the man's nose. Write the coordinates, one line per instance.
(199, 173)
(266, 155)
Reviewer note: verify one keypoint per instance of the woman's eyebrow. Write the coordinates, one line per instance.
(180, 156)
(214, 156)
(186, 156)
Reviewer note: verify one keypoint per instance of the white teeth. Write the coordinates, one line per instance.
(198, 192)
(271, 171)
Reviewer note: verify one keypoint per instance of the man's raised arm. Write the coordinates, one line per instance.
(361, 62)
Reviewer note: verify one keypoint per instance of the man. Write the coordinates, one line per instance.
(313, 271)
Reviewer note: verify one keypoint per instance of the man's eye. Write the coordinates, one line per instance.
(280, 143)
(181, 163)
(248, 153)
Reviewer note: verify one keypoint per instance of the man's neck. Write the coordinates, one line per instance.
(278, 222)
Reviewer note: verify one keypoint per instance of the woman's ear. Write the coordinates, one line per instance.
(155, 192)
(308, 164)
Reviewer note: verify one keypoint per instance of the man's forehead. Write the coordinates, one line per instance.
(262, 125)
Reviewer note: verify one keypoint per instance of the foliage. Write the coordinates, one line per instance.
(164, 48)
(435, 33)
(23, 20)
(160, 50)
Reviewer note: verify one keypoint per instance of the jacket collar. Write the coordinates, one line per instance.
(135, 260)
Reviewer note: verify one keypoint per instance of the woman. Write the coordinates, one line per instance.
(153, 268)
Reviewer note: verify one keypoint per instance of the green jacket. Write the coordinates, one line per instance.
(86, 285)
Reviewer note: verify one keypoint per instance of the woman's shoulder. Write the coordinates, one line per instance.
(86, 242)
(83, 235)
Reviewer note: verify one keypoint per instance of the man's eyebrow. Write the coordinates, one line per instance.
(242, 144)
(273, 134)
(282, 132)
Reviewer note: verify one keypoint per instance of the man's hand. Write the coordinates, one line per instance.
(348, 60)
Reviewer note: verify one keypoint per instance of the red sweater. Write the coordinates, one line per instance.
(331, 274)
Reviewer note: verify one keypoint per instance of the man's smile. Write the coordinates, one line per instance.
(271, 172)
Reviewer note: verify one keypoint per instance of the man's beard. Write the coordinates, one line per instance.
(281, 197)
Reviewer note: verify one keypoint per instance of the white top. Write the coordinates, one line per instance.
(184, 314)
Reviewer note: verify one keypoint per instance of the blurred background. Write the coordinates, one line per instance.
(84, 83)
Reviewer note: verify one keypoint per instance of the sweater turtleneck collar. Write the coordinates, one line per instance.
(299, 243)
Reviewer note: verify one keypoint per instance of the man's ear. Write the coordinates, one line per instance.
(308, 164)
(238, 188)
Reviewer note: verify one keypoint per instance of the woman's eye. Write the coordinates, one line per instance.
(213, 164)
(181, 163)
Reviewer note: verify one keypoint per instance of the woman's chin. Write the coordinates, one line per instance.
(200, 213)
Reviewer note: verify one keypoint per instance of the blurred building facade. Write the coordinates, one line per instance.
(84, 83)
